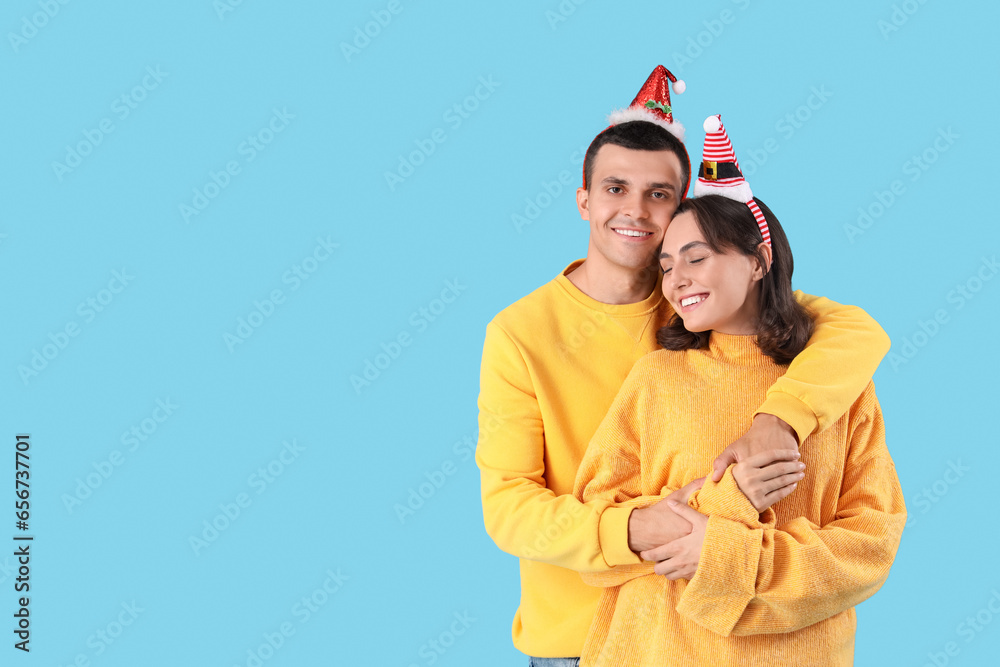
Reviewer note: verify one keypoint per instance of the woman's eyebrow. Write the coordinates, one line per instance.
(686, 247)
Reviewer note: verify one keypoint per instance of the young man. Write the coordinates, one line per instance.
(554, 361)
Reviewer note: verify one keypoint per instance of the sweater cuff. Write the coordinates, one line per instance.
(613, 535)
(726, 579)
(726, 500)
(793, 411)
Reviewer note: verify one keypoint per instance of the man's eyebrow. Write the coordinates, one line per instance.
(618, 180)
(688, 246)
(662, 186)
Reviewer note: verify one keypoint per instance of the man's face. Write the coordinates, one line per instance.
(632, 196)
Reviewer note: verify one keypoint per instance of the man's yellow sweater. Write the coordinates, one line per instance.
(552, 364)
(777, 588)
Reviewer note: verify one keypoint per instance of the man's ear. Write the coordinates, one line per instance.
(582, 200)
(766, 253)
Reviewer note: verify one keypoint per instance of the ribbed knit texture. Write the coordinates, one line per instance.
(552, 364)
(776, 588)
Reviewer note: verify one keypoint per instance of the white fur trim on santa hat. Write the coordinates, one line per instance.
(738, 190)
(625, 115)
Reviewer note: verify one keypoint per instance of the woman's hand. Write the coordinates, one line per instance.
(768, 477)
(682, 494)
(679, 559)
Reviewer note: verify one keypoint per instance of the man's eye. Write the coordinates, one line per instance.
(614, 189)
(660, 195)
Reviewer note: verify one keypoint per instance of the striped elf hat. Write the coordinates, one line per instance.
(652, 105)
(719, 173)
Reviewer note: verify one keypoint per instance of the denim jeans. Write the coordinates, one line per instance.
(553, 662)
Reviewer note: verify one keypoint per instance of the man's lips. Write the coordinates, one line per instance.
(632, 233)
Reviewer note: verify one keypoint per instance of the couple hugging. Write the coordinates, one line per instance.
(701, 477)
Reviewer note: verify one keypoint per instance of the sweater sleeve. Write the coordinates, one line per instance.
(611, 469)
(823, 381)
(523, 516)
(754, 578)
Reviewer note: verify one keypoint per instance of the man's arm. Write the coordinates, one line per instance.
(820, 385)
(521, 514)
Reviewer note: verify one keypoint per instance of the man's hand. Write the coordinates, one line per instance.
(679, 559)
(768, 477)
(658, 524)
(766, 433)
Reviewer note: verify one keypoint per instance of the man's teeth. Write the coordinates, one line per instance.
(631, 232)
(691, 300)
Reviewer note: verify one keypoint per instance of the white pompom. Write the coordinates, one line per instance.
(679, 86)
(712, 124)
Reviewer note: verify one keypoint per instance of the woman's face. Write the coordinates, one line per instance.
(709, 290)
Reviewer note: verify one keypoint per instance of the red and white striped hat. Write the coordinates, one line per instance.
(652, 104)
(719, 173)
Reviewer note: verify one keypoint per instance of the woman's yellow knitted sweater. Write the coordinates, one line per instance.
(777, 588)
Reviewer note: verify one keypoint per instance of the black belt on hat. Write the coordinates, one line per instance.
(717, 171)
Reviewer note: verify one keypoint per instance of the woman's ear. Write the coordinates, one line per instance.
(763, 253)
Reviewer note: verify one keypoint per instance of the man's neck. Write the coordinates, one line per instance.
(613, 284)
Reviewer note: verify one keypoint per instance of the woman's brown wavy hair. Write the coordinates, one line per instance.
(784, 325)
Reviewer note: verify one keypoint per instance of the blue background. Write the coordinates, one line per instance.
(888, 84)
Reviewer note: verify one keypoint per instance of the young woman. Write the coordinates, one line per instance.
(751, 584)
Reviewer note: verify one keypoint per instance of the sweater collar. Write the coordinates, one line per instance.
(738, 349)
(647, 305)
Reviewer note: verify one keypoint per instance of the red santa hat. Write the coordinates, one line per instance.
(719, 172)
(652, 104)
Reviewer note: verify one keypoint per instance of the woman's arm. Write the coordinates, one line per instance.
(753, 578)
(610, 470)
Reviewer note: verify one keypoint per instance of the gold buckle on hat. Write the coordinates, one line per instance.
(711, 170)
